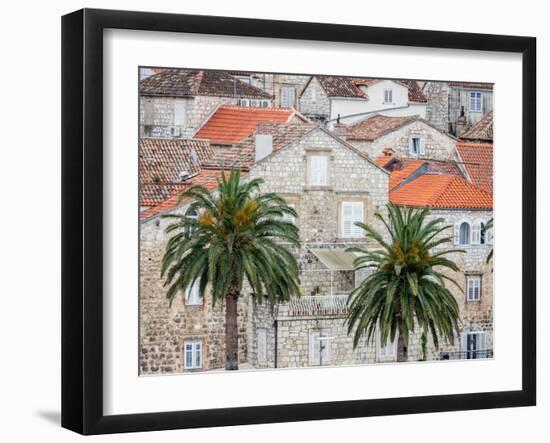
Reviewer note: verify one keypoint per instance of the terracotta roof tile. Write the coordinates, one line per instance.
(482, 130)
(207, 178)
(242, 155)
(162, 163)
(231, 124)
(472, 85)
(477, 159)
(376, 126)
(442, 192)
(191, 82)
(335, 86)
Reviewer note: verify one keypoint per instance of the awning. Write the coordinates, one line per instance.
(335, 259)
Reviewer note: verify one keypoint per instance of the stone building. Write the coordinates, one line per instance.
(410, 137)
(482, 131)
(284, 88)
(349, 99)
(175, 102)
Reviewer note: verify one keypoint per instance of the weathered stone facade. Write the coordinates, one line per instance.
(437, 109)
(163, 329)
(438, 145)
(161, 117)
(314, 102)
(275, 85)
(459, 101)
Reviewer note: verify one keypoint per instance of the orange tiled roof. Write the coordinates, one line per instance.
(207, 178)
(371, 128)
(162, 162)
(477, 159)
(442, 192)
(398, 175)
(231, 124)
(482, 130)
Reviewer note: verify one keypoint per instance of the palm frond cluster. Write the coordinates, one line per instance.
(407, 288)
(230, 235)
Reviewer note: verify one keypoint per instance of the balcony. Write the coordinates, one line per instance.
(466, 355)
(315, 306)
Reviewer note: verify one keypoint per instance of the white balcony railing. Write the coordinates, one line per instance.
(315, 305)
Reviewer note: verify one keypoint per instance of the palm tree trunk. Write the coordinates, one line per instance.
(402, 351)
(232, 328)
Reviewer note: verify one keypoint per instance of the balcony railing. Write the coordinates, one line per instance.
(316, 305)
(466, 355)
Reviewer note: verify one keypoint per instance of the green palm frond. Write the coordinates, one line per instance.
(406, 290)
(235, 230)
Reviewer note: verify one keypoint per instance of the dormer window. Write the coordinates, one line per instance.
(388, 96)
(416, 145)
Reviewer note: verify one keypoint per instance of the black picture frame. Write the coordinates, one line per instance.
(82, 218)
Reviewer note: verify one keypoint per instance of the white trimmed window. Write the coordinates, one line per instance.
(475, 101)
(319, 347)
(473, 288)
(351, 212)
(318, 170)
(474, 344)
(179, 114)
(288, 97)
(192, 354)
(417, 145)
(388, 96)
(462, 233)
(476, 233)
(193, 296)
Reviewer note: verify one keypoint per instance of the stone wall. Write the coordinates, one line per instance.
(163, 328)
(313, 102)
(459, 98)
(157, 116)
(439, 146)
(351, 178)
(437, 109)
(273, 83)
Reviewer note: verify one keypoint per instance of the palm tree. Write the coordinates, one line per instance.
(233, 238)
(407, 288)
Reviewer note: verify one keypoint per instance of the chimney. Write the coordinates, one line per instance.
(461, 123)
(388, 152)
(263, 142)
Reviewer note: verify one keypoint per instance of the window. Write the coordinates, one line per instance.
(262, 346)
(179, 114)
(385, 352)
(287, 97)
(482, 234)
(351, 212)
(192, 295)
(462, 233)
(475, 101)
(318, 170)
(417, 145)
(319, 348)
(388, 96)
(476, 233)
(192, 354)
(474, 345)
(473, 288)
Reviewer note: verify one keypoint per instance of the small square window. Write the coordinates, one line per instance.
(416, 145)
(352, 212)
(319, 347)
(388, 96)
(473, 288)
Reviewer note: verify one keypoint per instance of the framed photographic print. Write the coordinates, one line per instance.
(270, 221)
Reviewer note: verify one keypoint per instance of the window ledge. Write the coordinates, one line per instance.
(318, 188)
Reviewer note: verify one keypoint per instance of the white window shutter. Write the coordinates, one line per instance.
(422, 146)
(314, 348)
(464, 341)
(476, 233)
(357, 217)
(179, 114)
(347, 213)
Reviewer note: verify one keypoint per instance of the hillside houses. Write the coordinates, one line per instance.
(332, 177)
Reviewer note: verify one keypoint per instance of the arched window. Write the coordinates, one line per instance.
(464, 233)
